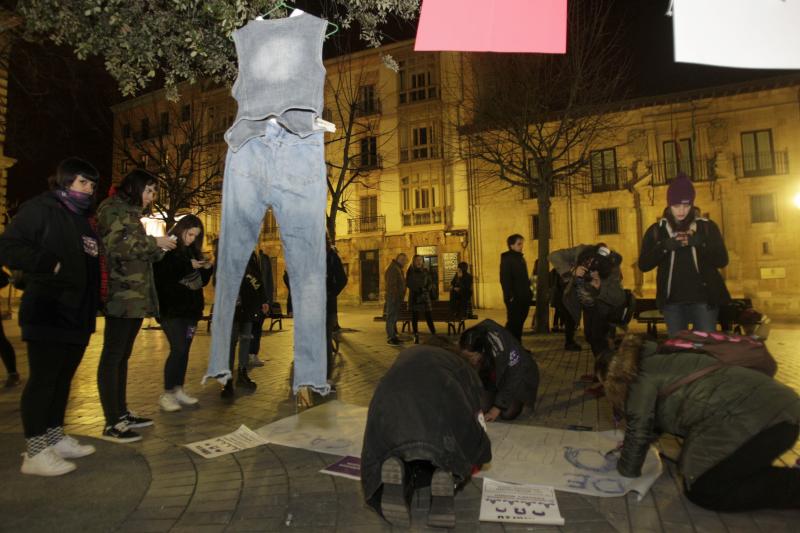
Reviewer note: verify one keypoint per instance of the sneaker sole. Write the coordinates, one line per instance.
(189, 404)
(140, 425)
(49, 474)
(74, 455)
(121, 440)
(394, 507)
(442, 512)
(173, 409)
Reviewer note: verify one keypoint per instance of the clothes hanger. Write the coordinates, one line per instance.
(287, 5)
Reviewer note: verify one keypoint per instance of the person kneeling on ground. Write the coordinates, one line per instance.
(734, 421)
(508, 371)
(424, 427)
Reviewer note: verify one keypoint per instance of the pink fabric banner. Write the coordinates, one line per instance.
(538, 26)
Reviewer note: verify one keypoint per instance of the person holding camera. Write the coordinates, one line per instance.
(180, 278)
(517, 294)
(594, 285)
(688, 252)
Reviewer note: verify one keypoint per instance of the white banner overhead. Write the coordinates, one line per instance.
(760, 34)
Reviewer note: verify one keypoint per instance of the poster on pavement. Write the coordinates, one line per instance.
(519, 504)
(349, 467)
(241, 439)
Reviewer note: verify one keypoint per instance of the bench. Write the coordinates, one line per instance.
(440, 312)
(648, 313)
(275, 316)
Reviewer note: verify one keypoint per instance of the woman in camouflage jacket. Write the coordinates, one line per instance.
(130, 254)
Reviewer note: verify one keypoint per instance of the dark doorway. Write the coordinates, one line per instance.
(370, 275)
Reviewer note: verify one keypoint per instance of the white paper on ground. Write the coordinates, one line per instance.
(738, 33)
(519, 504)
(241, 439)
(572, 461)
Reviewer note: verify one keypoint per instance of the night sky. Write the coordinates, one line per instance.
(59, 106)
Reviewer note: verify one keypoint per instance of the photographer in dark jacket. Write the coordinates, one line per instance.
(688, 251)
(180, 277)
(594, 285)
(508, 371)
(53, 242)
(265, 264)
(517, 293)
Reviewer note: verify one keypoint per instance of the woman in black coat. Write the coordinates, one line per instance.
(53, 242)
(420, 286)
(180, 277)
(461, 291)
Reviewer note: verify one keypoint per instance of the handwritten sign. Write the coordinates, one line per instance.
(520, 504)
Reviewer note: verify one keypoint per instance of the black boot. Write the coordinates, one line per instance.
(244, 380)
(443, 510)
(227, 390)
(396, 493)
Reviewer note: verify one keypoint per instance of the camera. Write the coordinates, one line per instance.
(602, 260)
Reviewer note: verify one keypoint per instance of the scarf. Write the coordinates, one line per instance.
(77, 202)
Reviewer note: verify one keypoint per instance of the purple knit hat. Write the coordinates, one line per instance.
(680, 191)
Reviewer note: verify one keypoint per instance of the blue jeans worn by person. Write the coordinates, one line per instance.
(180, 333)
(285, 171)
(678, 316)
(392, 312)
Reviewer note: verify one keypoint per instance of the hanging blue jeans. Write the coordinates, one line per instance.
(285, 171)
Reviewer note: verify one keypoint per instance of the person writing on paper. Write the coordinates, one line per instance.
(734, 422)
(424, 427)
(508, 371)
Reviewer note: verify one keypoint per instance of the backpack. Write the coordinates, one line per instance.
(728, 350)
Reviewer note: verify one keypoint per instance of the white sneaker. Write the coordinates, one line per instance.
(182, 397)
(255, 361)
(169, 402)
(46, 463)
(70, 448)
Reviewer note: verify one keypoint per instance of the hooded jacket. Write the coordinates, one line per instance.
(708, 253)
(715, 415)
(130, 254)
(58, 307)
(425, 408)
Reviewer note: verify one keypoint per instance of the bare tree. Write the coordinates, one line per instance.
(535, 118)
(355, 149)
(182, 144)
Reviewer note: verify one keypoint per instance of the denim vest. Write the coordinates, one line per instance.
(281, 75)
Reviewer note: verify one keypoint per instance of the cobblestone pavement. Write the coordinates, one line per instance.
(274, 488)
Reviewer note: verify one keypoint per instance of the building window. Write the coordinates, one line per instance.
(758, 157)
(367, 103)
(762, 208)
(164, 124)
(144, 128)
(418, 142)
(421, 199)
(220, 117)
(607, 221)
(369, 152)
(418, 79)
(184, 151)
(126, 131)
(603, 167)
(270, 226)
(678, 157)
(535, 229)
(186, 112)
(369, 213)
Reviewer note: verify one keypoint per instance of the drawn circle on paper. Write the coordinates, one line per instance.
(590, 460)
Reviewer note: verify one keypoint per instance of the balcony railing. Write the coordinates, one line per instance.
(419, 153)
(761, 164)
(614, 179)
(424, 216)
(366, 224)
(368, 107)
(702, 169)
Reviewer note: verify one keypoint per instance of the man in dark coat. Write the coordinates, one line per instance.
(734, 423)
(508, 371)
(335, 282)
(406, 436)
(265, 264)
(395, 283)
(517, 293)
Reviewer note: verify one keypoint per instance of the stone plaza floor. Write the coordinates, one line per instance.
(157, 485)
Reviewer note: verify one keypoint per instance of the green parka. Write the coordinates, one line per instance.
(130, 254)
(715, 415)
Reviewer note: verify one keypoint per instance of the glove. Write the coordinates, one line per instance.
(672, 244)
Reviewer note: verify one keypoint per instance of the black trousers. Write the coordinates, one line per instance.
(112, 372)
(597, 328)
(330, 325)
(258, 329)
(516, 313)
(746, 480)
(7, 352)
(428, 319)
(180, 334)
(44, 399)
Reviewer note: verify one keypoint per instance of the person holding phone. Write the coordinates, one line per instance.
(180, 278)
